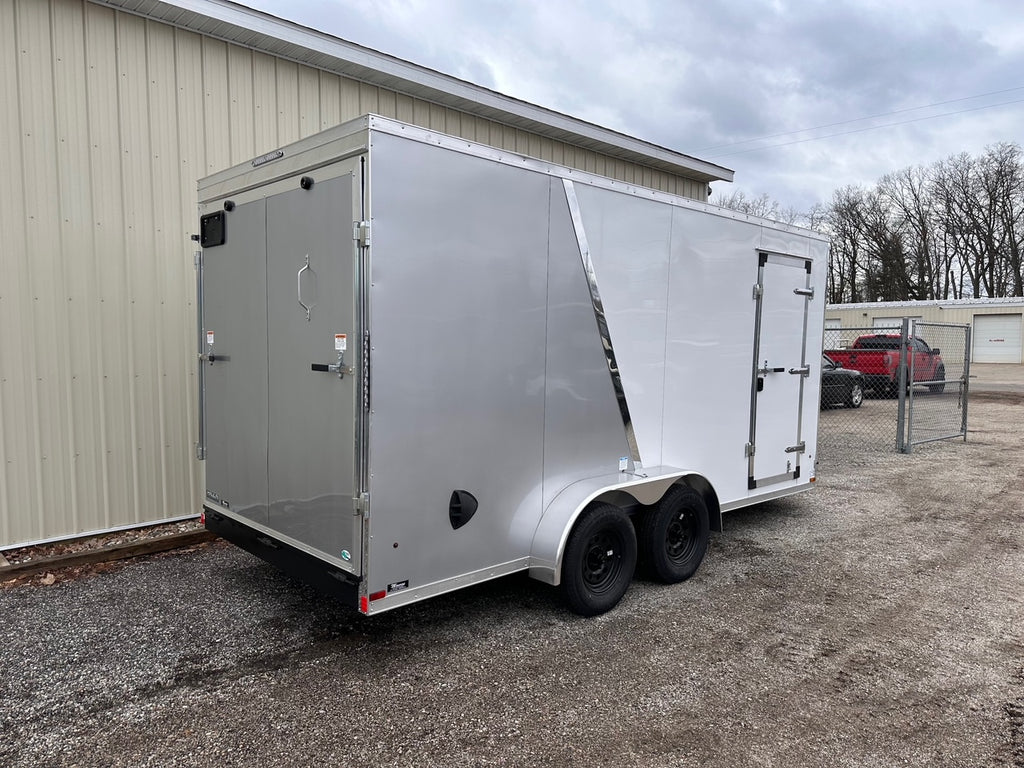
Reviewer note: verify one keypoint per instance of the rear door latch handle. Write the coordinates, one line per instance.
(339, 367)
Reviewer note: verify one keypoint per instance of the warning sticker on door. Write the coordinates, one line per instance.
(340, 342)
(209, 338)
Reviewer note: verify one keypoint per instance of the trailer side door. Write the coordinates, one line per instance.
(780, 369)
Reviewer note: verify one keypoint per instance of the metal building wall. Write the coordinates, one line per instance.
(961, 312)
(863, 315)
(108, 120)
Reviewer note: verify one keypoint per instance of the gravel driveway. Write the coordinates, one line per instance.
(876, 621)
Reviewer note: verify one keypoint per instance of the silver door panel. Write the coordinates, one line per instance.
(312, 413)
(235, 313)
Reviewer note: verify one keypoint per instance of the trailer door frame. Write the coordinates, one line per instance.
(780, 369)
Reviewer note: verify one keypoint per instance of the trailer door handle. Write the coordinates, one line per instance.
(805, 371)
(212, 358)
(341, 370)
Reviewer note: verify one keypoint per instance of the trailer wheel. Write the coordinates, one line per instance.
(599, 560)
(674, 535)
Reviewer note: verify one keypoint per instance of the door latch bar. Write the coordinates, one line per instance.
(339, 367)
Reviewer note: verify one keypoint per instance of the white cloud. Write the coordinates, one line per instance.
(696, 75)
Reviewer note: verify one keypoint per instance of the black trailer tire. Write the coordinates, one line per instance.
(599, 561)
(674, 535)
(855, 395)
(940, 374)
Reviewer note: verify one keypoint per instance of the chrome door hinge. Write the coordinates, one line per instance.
(200, 452)
(198, 259)
(361, 233)
(361, 504)
(748, 450)
(758, 291)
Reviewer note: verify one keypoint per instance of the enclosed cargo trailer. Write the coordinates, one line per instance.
(425, 363)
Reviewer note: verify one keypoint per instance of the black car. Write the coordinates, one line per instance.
(840, 386)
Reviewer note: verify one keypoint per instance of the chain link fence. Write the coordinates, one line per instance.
(889, 389)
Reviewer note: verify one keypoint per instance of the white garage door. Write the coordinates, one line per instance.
(997, 339)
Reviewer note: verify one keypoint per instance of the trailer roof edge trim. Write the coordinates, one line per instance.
(303, 153)
(257, 30)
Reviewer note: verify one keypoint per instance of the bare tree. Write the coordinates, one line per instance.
(762, 206)
(951, 230)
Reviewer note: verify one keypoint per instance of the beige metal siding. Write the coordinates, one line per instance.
(863, 316)
(108, 121)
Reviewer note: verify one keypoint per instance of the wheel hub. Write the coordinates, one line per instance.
(601, 562)
(680, 537)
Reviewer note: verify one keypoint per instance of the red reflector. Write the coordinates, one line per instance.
(364, 604)
(202, 517)
(378, 595)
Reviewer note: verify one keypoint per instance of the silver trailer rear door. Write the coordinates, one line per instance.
(282, 418)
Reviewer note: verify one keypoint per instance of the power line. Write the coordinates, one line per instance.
(867, 117)
(862, 130)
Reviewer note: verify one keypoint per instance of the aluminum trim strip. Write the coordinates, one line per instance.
(602, 321)
(759, 498)
(758, 296)
(201, 347)
(804, 364)
(415, 594)
(774, 479)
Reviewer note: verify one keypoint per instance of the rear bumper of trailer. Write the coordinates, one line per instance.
(290, 559)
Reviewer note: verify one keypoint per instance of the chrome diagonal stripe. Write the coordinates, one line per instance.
(602, 322)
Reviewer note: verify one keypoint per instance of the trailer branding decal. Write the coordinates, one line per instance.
(398, 586)
(270, 157)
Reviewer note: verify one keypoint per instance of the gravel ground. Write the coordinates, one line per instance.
(876, 621)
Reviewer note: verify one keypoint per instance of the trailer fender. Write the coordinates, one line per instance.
(549, 540)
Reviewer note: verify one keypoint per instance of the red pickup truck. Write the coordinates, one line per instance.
(877, 356)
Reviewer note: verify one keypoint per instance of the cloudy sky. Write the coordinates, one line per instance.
(799, 98)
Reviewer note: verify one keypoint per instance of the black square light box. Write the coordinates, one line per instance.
(212, 230)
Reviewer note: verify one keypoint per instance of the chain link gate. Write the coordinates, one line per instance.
(940, 411)
(867, 405)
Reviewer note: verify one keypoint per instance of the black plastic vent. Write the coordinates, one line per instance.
(461, 508)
